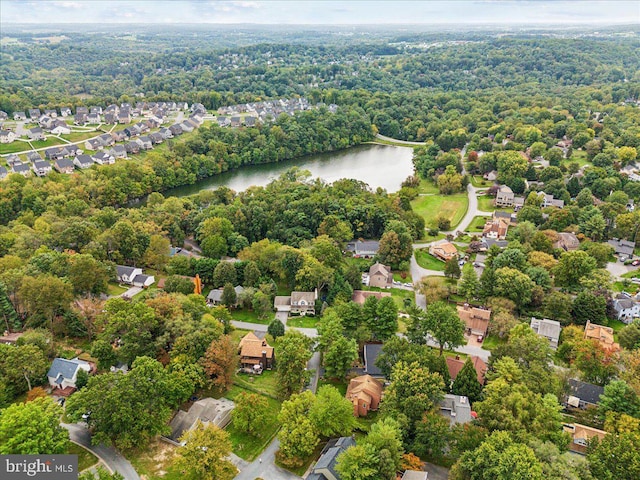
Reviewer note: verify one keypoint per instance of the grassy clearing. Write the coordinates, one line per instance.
(477, 224)
(399, 295)
(479, 182)
(249, 316)
(428, 261)
(398, 277)
(452, 207)
(86, 459)
(115, 289)
(265, 383)
(492, 341)
(579, 156)
(16, 146)
(154, 461)
(302, 322)
(79, 136)
(428, 187)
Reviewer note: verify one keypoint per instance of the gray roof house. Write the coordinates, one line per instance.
(64, 373)
(63, 165)
(456, 409)
(41, 167)
(118, 151)
(207, 410)
(83, 161)
(550, 329)
(21, 168)
(3, 172)
(215, 295)
(371, 354)
(583, 394)
(364, 248)
(623, 248)
(133, 276)
(325, 467)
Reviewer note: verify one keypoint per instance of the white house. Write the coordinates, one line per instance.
(549, 329)
(627, 307)
(7, 136)
(64, 373)
(133, 276)
(61, 129)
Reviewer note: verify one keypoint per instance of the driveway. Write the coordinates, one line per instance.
(265, 467)
(282, 316)
(617, 269)
(131, 292)
(109, 455)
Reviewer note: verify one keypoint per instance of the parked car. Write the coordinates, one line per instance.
(635, 263)
(480, 338)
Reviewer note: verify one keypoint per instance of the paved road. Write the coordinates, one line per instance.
(617, 269)
(395, 140)
(266, 468)
(109, 455)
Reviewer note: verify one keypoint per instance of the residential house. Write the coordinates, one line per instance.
(156, 138)
(496, 229)
(581, 436)
(63, 373)
(93, 144)
(106, 140)
(518, 203)
(119, 135)
(7, 136)
(133, 276)
(124, 117)
(582, 394)
(3, 115)
(63, 165)
(21, 168)
(365, 393)
(46, 122)
(132, 147)
(476, 319)
(19, 116)
(236, 121)
(371, 354)
(110, 118)
(223, 121)
(208, 411)
(71, 150)
(65, 111)
(304, 303)
(444, 251)
(456, 408)
(61, 128)
(35, 133)
(83, 161)
(103, 158)
(602, 335)
(550, 201)
(3, 173)
(165, 132)
(118, 151)
(80, 119)
(145, 143)
(94, 118)
(41, 167)
(33, 156)
(363, 248)
(360, 296)
(250, 121)
(627, 307)
(175, 130)
(186, 126)
(550, 329)
(12, 158)
(34, 114)
(567, 241)
(215, 295)
(622, 248)
(380, 276)
(510, 218)
(325, 467)
(504, 197)
(255, 352)
(51, 113)
(454, 365)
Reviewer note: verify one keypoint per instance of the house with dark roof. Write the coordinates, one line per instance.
(118, 151)
(3, 173)
(19, 116)
(21, 168)
(103, 158)
(215, 295)
(83, 161)
(7, 136)
(63, 165)
(623, 248)
(133, 276)
(582, 394)
(363, 248)
(371, 353)
(63, 373)
(35, 133)
(41, 167)
(627, 307)
(380, 276)
(33, 156)
(325, 467)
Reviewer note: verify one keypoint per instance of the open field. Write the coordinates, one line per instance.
(453, 207)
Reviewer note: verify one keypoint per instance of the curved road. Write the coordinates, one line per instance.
(114, 461)
(403, 142)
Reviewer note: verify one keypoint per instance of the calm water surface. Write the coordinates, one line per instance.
(377, 165)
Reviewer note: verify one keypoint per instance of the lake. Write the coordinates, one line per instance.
(377, 165)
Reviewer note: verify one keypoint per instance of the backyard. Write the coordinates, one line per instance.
(452, 207)
(428, 261)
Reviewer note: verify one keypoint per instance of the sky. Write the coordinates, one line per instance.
(328, 12)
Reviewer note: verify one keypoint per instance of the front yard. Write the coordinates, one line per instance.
(428, 261)
(242, 315)
(305, 321)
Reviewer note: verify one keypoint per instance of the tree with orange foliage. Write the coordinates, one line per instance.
(411, 462)
(36, 392)
(220, 361)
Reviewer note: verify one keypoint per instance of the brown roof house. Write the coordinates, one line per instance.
(496, 229)
(476, 319)
(255, 353)
(454, 365)
(360, 296)
(365, 393)
(567, 241)
(602, 335)
(581, 435)
(380, 276)
(444, 251)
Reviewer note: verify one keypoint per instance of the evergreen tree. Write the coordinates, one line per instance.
(275, 328)
(466, 383)
(451, 268)
(7, 311)
(468, 286)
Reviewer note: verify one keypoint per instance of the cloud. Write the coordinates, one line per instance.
(69, 5)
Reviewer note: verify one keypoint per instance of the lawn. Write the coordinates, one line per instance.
(250, 316)
(579, 156)
(491, 342)
(265, 383)
(340, 385)
(478, 182)
(477, 224)
(428, 261)
(303, 321)
(427, 186)
(398, 277)
(86, 459)
(452, 207)
(13, 147)
(115, 289)
(399, 295)
(78, 136)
